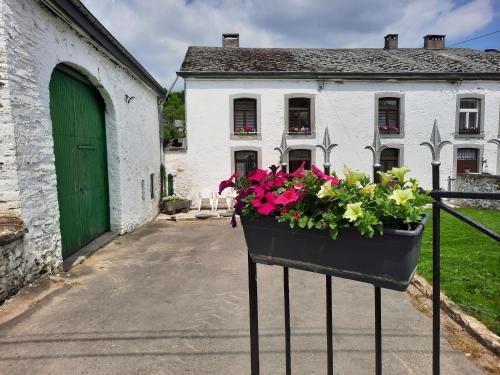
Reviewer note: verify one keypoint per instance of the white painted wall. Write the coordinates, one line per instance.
(347, 108)
(34, 42)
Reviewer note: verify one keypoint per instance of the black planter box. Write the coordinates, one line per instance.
(387, 261)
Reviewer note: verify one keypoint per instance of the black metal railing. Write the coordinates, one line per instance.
(435, 146)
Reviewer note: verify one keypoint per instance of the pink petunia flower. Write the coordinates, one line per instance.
(300, 171)
(287, 197)
(257, 175)
(265, 204)
(318, 172)
(228, 183)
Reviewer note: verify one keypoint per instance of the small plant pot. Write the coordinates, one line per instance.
(388, 261)
(173, 207)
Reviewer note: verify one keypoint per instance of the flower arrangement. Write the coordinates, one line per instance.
(246, 129)
(313, 199)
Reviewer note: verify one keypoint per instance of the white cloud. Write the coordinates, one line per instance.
(158, 32)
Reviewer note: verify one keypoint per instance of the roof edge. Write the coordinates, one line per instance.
(340, 75)
(77, 13)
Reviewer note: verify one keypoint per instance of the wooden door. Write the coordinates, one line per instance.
(78, 130)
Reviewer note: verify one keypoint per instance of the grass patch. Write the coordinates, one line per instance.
(470, 264)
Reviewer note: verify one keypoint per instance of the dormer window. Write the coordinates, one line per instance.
(245, 116)
(469, 116)
(389, 115)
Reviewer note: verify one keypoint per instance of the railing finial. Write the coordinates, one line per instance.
(376, 148)
(282, 149)
(435, 144)
(327, 147)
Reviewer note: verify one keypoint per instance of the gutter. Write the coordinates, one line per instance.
(76, 13)
(355, 76)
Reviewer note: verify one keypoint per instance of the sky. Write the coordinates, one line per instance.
(158, 32)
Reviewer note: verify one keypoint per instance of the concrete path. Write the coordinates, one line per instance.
(172, 299)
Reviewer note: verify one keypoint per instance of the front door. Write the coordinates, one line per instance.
(78, 129)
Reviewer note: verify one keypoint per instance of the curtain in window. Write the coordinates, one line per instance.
(388, 115)
(245, 116)
(468, 120)
(299, 115)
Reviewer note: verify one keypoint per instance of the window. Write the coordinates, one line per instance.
(152, 185)
(299, 116)
(389, 115)
(467, 160)
(389, 158)
(245, 116)
(468, 117)
(245, 161)
(297, 157)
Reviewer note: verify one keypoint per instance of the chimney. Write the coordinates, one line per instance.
(230, 40)
(391, 41)
(434, 41)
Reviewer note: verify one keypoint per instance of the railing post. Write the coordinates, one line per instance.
(376, 148)
(283, 150)
(435, 145)
(254, 316)
(327, 148)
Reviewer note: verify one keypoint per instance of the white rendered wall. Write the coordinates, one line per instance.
(36, 41)
(347, 108)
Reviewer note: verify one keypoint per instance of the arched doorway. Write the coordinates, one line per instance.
(79, 133)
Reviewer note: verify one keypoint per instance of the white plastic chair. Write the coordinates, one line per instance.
(207, 194)
(228, 195)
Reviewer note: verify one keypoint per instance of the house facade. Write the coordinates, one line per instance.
(240, 101)
(80, 149)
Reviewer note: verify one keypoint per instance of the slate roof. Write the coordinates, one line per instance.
(355, 62)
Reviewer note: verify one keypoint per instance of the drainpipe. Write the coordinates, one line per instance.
(161, 101)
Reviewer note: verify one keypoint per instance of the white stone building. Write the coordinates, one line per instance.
(239, 101)
(80, 128)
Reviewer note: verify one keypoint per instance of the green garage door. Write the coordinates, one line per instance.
(77, 112)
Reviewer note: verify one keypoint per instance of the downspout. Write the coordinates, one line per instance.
(161, 101)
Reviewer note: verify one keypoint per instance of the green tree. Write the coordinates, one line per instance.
(173, 109)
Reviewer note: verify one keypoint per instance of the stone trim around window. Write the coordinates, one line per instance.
(480, 155)
(233, 136)
(401, 97)
(481, 116)
(246, 148)
(303, 147)
(312, 97)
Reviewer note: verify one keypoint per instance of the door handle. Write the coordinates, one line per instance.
(86, 147)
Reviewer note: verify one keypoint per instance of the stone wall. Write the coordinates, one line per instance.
(13, 262)
(474, 182)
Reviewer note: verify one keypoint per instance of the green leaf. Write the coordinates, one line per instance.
(303, 221)
(310, 223)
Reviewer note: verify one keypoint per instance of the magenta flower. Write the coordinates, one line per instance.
(257, 175)
(318, 172)
(264, 203)
(228, 183)
(287, 197)
(300, 171)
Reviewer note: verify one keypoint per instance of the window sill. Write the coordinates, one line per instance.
(251, 136)
(392, 135)
(470, 135)
(293, 135)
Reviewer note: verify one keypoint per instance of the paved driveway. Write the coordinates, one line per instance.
(172, 299)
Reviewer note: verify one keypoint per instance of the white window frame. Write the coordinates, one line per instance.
(479, 111)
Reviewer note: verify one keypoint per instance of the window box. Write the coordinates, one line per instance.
(387, 261)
